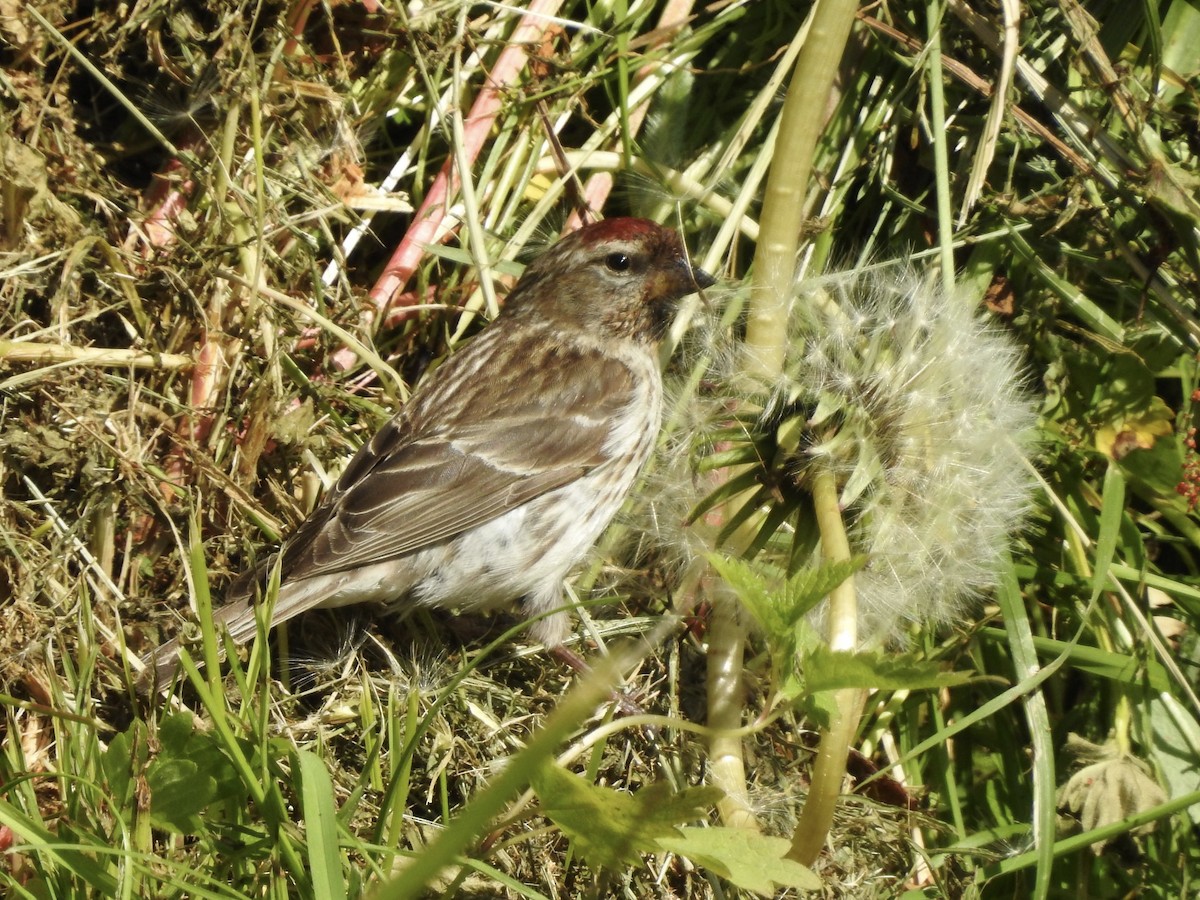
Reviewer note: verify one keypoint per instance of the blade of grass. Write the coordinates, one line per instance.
(1025, 662)
(320, 826)
(1082, 841)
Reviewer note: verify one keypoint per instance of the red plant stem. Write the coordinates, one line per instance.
(192, 431)
(297, 19)
(164, 199)
(158, 229)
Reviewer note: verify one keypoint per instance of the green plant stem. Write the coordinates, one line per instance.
(941, 155)
(800, 126)
(801, 123)
(835, 548)
(828, 773)
(727, 768)
(830, 768)
(1077, 842)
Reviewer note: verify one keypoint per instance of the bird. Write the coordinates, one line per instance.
(506, 463)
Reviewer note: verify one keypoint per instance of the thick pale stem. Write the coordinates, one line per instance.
(727, 635)
(830, 768)
(829, 772)
(727, 770)
(801, 123)
(835, 548)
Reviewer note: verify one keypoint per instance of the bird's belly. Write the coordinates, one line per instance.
(484, 567)
(523, 553)
(528, 550)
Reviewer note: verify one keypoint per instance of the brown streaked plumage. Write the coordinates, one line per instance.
(508, 461)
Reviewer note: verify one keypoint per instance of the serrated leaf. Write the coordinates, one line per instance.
(790, 687)
(750, 585)
(780, 608)
(777, 606)
(831, 670)
(810, 586)
(751, 861)
(610, 828)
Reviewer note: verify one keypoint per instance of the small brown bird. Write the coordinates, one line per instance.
(507, 463)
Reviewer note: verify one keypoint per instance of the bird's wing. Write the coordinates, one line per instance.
(462, 457)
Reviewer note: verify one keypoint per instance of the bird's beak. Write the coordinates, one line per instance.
(681, 279)
(702, 279)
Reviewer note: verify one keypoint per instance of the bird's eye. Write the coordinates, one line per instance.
(618, 262)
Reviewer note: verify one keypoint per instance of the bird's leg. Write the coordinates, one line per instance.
(626, 705)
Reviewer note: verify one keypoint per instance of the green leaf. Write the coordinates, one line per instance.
(820, 708)
(751, 861)
(831, 670)
(780, 608)
(1110, 527)
(1180, 46)
(775, 606)
(610, 828)
(743, 454)
(320, 826)
(189, 773)
(751, 586)
(1175, 747)
(174, 732)
(118, 766)
(179, 791)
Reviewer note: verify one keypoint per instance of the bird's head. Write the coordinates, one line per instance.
(618, 276)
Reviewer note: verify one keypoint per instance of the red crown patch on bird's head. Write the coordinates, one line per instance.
(623, 229)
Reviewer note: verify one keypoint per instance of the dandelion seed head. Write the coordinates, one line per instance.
(913, 401)
(931, 443)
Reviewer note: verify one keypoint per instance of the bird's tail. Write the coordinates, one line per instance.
(238, 619)
(162, 663)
